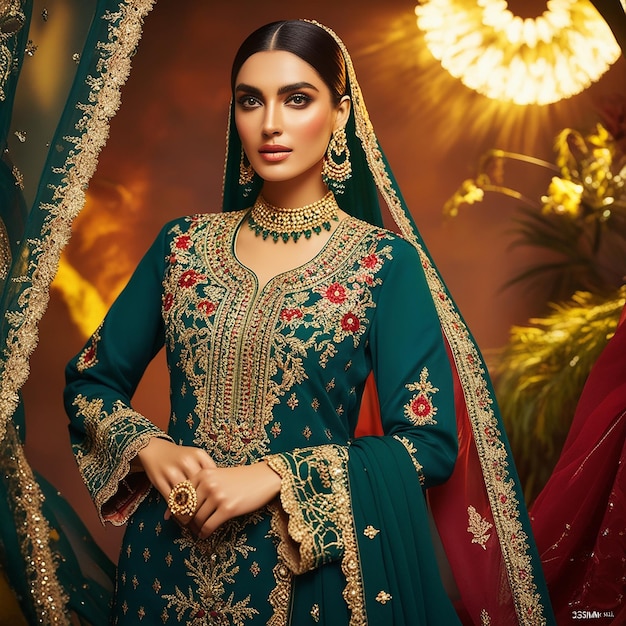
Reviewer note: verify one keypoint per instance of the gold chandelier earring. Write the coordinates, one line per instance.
(337, 167)
(246, 171)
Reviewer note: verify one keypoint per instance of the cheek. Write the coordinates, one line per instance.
(243, 128)
(316, 127)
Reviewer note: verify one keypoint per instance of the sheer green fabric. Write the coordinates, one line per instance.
(57, 572)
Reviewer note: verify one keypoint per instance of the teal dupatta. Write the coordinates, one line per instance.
(57, 572)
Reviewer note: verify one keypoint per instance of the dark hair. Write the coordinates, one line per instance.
(306, 40)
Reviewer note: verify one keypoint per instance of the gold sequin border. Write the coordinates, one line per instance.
(124, 33)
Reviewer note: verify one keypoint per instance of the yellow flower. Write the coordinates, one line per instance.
(468, 193)
(563, 197)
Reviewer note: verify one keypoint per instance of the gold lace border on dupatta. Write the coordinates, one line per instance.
(491, 450)
(101, 103)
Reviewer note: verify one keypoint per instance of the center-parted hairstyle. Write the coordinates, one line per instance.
(304, 39)
(316, 46)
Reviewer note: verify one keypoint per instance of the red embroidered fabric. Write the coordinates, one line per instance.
(579, 518)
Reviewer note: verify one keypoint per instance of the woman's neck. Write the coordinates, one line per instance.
(292, 194)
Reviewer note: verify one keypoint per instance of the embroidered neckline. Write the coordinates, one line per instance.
(338, 246)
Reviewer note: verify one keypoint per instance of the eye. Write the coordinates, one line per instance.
(248, 102)
(299, 100)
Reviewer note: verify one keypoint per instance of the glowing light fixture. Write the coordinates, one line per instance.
(526, 61)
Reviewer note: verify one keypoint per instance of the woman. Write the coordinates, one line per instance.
(258, 506)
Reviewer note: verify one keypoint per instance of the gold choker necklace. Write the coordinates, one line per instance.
(278, 223)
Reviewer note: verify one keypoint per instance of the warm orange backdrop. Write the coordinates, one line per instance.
(165, 158)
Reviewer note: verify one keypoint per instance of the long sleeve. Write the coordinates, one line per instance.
(414, 383)
(105, 431)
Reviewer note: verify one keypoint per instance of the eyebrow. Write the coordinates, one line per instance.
(285, 89)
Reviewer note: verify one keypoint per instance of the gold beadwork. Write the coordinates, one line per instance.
(383, 597)
(246, 172)
(183, 499)
(370, 532)
(279, 223)
(336, 173)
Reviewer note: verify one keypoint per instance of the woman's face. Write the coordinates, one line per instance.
(284, 115)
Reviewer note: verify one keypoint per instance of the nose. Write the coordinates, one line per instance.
(272, 124)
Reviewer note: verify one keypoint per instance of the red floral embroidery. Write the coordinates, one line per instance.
(287, 315)
(88, 357)
(183, 242)
(421, 410)
(189, 278)
(336, 293)
(350, 323)
(370, 261)
(421, 406)
(168, 300)
(207, 307)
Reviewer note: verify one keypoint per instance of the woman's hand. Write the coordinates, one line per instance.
(224, 493)
(166, 464)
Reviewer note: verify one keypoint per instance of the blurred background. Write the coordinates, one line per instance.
(165, 154)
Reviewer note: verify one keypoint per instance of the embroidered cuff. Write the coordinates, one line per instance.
(316, 510)
(104, 455)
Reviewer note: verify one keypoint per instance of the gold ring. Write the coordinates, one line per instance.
(183, 499)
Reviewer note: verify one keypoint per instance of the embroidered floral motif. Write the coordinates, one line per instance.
(335, 293)
(287, 315)
(479, 527)
(182, 242)
(208, 598)
(207, 307)
(315, 613)
(420, 410)
(89, 356)
(370, 532)
(350, 323)
(189, 279)
(383, 597)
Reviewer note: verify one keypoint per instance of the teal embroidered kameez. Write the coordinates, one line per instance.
(275, 374)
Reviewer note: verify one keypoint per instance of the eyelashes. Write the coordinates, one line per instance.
(295, 100)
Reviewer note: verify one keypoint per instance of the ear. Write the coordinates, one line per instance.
(343, 111)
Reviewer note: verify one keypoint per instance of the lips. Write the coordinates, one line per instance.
(274, 152)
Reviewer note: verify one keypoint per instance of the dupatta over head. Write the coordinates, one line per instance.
(479, 512)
